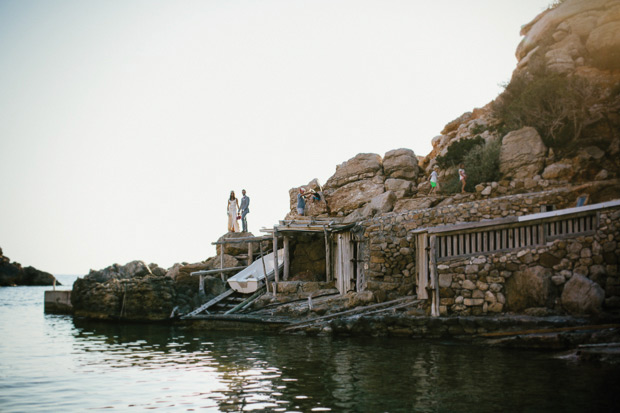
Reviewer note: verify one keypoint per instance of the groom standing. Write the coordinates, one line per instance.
(245, 209)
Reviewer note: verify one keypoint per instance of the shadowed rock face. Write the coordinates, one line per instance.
(133, 291)
(15, 274)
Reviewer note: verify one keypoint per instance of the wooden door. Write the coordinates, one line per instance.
(343, 263)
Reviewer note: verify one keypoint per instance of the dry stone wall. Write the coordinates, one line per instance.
(525, 280)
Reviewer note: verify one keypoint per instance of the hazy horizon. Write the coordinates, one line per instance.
(125, 124)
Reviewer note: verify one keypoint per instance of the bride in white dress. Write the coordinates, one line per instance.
(233, 207)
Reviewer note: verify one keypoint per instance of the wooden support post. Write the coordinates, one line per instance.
(434, 278)
(250, 252)
(328, 256)
(275, 256)
(201, 287)
(262, 258)
(286, 258)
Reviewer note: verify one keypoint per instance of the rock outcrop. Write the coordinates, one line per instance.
(575, 34)
(522, 154)
(133, 291)
(14, 274)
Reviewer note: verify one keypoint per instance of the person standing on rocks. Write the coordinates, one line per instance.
(245, 209)
(462, 177)
(434, 181)
(301, 202)
(233, 207)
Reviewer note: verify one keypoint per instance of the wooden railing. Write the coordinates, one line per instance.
(506, 236)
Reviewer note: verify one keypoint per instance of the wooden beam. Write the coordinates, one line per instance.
(217, 270)
(434, 277)
(275, 255)
(262, 258)
(286, 258)
(328, 255)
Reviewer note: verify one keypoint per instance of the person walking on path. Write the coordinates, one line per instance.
(462, 177)
(245, 209)
(231, 210)
(434, 181)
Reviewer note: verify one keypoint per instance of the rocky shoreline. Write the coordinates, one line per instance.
(13, 274)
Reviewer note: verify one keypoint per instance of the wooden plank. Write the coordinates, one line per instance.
(449, 239)
(328, 255)
(246, 302)
(210, 303)
(275, 256)
(217, 270)
(286, 258)
(422, 265)
(250, 252)
(485, 241)
(262, 258)
(434, 276)
(461, 247)
(241, 240)
(479, 246)
(528, 235)
(304, 323)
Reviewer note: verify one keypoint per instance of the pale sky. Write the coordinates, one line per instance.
(125, 124)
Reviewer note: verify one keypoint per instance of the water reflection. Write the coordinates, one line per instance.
(54, 363)
(293, 373)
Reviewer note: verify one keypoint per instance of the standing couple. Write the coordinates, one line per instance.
(233, 207)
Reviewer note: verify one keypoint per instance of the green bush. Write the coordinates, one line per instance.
(457, 151)
(556, 106)
(481, 165)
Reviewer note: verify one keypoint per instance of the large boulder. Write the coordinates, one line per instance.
(414, 204)
(402, 188)
(529, 288)
(400, 163)
(236, 248)
(558, 171)
(522, 154)
(134, 291)
(604, 45)
(313, 207)
(582, 296)
(363, 166)
(355, 194)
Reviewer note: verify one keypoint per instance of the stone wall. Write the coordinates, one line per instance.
(576, 275)
(479, 284)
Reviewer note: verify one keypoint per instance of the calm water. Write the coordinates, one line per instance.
(53, 363)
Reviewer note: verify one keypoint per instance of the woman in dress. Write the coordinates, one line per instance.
(233, 207)
(462, 177)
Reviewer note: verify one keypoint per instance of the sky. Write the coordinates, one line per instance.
(125, 124)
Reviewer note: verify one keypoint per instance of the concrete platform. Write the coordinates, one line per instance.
(58, 302)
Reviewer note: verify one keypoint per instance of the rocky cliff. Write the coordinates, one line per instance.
(14, 274)
(556, 124)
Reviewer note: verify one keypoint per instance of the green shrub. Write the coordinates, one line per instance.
(481, 165)
(556, 106)
(457, 151)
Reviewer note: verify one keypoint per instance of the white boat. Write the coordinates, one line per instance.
(251, 278)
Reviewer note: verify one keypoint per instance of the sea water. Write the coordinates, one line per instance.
(52, 363)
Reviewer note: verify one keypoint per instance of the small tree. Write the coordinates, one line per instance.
(556, 106)
(481, 164)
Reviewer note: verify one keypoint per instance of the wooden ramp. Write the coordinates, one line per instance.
(230, 301)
